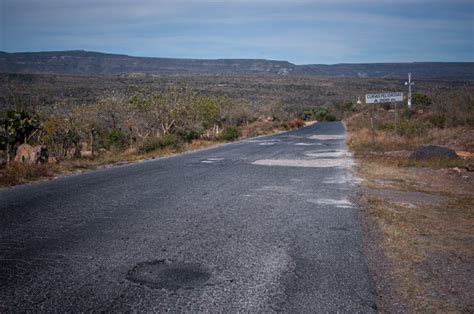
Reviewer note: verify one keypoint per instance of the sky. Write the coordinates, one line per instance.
(299, 31)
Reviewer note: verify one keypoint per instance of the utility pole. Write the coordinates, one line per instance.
(410, 84)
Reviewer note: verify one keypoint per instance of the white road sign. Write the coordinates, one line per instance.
(383, 98)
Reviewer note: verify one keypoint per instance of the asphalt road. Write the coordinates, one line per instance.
(265, 224)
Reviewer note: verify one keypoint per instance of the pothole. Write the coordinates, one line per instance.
(162, 274)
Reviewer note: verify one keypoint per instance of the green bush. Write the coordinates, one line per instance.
(308, 115)
(320, 113)
(423, 100)
(230, 133)
(169, 140)
(189, 136)
(116, 139)
(330, 118)
(154, 143)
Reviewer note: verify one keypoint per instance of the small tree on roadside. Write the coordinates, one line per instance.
(419, 99)
(17, 127)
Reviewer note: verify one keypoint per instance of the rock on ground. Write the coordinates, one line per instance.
(31, 154)
(425, 152)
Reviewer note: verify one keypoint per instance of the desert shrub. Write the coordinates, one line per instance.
(408, 127)
(295, 123)
(20, 173)
(230, 133)
(16, 126)
(419, 99)
(154, 143)
(308, 115)
(168, 140)
(150, 144)
(438, 120)
(330, 118)
(385, 126)
(320, 113)
(116, 139)
(189, 136)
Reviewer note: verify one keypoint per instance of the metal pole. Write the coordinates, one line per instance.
(409, 89)
(372, 124)
(410, 84)
(396, 130)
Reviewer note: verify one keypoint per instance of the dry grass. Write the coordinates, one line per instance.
(19, 173)
(460, 138)
(428, 256)
(429, 246)
(260, 128)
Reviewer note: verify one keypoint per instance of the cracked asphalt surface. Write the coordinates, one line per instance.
(232, 228)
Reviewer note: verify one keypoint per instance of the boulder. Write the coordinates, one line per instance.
(52, 160)
(86, 154)
(426, 152)
(464, 154)
(31, 154)
(264, 118)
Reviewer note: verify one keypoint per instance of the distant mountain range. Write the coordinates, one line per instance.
(80, 62)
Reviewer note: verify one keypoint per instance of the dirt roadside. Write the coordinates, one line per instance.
(419, 235)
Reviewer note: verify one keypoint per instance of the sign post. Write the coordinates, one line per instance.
(396, 116)
(382, 98)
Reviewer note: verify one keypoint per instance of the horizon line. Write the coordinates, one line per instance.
(216, 59)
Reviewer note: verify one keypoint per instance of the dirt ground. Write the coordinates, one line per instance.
(419, 224)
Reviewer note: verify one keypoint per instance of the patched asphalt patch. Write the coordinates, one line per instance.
(162, 274)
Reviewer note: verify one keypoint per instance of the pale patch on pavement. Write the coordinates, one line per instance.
(212, 160)
(267, 143)
(307, 144)
(342, 179)
(343, 203)
(323, 137)
(308, 163)
(280, 189)
(262, 141)
(326, 154)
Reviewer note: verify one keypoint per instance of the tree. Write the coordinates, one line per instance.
(160, 113)
(205, 112)
(17, 127)
(62, 128)
(343, 107)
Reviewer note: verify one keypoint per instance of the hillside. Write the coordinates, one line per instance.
(95, 63)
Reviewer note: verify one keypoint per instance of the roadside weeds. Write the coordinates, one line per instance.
(419, 228)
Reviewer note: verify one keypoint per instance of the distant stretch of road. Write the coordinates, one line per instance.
(266, 224)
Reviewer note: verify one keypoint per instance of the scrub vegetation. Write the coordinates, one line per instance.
(89, 121)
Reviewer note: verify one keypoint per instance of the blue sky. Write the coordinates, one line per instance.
(299, 31)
